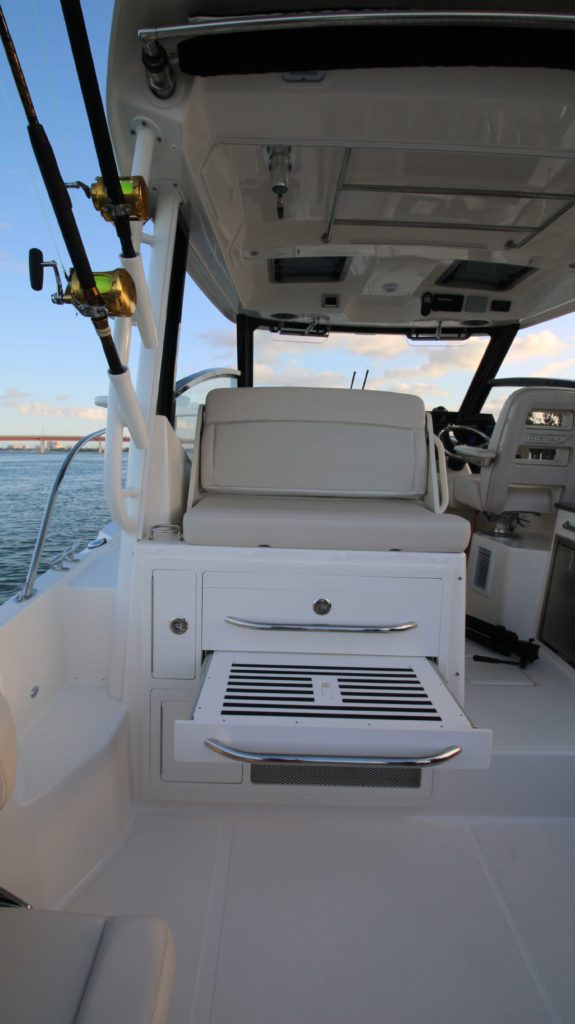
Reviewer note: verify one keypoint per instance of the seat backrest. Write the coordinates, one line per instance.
(314, 441)
(534, 441)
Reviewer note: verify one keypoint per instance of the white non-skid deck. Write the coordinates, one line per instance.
(405, 912)
(349, 918)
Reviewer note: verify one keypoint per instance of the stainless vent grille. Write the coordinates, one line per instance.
(330, 691)
(482, 572)
(335, 775)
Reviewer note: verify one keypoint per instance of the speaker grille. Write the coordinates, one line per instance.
(373, 776)
(482, 574)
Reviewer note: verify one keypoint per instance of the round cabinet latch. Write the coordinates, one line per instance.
(322, 606)
(179, 626)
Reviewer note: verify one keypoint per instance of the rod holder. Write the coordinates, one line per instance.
(144, 315)
(129, 407)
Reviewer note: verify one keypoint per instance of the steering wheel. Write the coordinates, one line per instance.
(449, 438)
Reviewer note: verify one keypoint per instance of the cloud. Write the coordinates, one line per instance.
(556, 369)
(407, 387)
(379, 346)
(59, 411)
(535, 345)
(11, 396)
(298, 377)
(88, 413)
(437, 363)
(222, 340)
(462, 359)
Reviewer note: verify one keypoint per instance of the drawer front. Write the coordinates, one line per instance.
(286, 602)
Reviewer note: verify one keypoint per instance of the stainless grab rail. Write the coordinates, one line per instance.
(302, 627)
(201, 376)
(250, 757)
(28, 588)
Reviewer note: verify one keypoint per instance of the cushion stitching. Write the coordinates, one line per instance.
(4, 786)
(160, 972)
(90, 972)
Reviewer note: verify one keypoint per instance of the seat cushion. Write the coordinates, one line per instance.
(59, 968)
(342, 524)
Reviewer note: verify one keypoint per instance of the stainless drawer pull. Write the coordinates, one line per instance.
(249, 757)
(568, 526)
(320, 627)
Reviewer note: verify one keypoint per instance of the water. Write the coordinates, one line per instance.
(25, 482)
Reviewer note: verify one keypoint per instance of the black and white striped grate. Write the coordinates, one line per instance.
(319, 705)
(309, 690)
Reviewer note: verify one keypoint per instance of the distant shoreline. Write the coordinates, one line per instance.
(47, 451)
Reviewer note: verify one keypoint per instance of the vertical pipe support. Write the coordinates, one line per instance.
(166, 221)
(147, 136)
(245, 344)
(115, 494)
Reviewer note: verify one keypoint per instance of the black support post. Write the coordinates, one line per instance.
(166, 404)
(245, 327)
(477, 392)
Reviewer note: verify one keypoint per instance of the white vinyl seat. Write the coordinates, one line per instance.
(529, 462)
(58, 968)
(8, 751)
(318, 468)
(341, 524)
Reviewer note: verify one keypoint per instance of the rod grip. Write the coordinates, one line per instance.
(61, 203)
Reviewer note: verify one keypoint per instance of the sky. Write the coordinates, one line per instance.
(52, 366)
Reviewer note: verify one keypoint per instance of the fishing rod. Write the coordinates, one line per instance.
(82, 291)
(120, 200)
(118, 203)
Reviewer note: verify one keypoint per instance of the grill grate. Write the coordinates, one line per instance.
(330, 691)
(372, 776)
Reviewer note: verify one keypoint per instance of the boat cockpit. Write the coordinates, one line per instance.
(263, 666)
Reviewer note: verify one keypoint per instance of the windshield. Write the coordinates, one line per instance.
(440, 374)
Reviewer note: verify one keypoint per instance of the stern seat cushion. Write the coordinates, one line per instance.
(59, 968)
(343, 524)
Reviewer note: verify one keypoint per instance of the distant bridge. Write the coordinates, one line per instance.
(44, 439)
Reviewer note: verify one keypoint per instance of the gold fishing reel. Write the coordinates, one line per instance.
(135, 195)
(114, 295)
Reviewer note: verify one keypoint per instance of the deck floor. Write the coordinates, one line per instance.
(528, 709)
(335, 917)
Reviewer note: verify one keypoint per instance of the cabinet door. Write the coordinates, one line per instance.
(173, 624)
